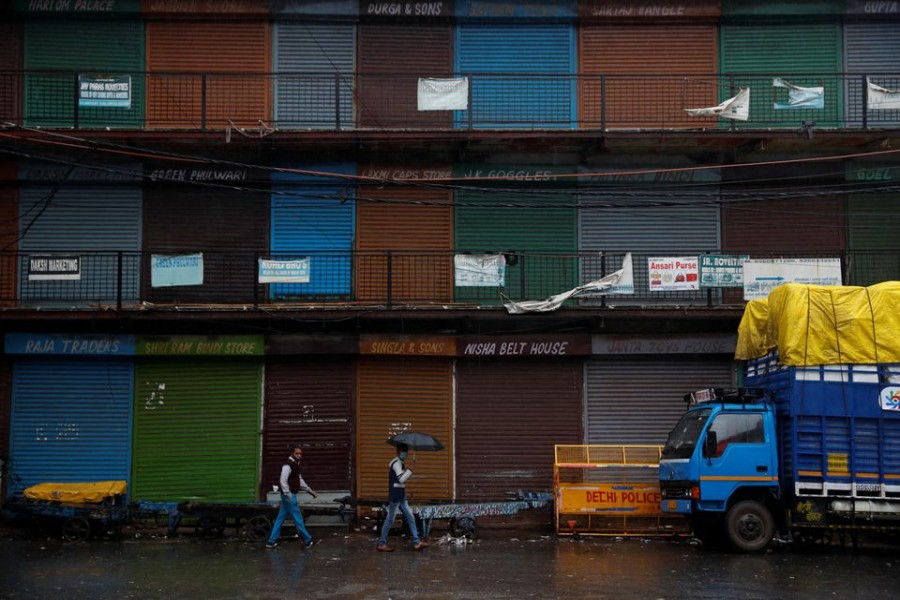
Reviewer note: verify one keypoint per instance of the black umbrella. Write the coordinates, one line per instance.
(416, 441)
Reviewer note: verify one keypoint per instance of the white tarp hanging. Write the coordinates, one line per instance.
(799, 97)
(882, 98)
(623, 277)
(737, 108)
(444, 94)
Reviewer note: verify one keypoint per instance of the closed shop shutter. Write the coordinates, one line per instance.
(314, 71)
(9, 234)
(207, 74)
(416, 226)
(71, 47)
(521, 75)
(639, 401)
(5, 405)
(196, 430)
(871, 49)
(392, 58)
(649, 218)
(539, 224)
(765, 226)
(674, 58)
(70, 422)
(509, 415)
(400, 394)
(228, 226)
(309, 400)
(765, 51)
(102, 220)
(11, 51)
(874, 222)
(314, 217)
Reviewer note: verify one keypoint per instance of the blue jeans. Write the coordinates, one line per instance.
(403, 505)
(289, 507)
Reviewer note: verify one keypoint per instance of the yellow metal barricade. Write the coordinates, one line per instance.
(610, 490)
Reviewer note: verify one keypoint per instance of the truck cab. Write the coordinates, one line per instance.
(719, 467)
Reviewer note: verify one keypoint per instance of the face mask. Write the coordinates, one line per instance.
(403, 455)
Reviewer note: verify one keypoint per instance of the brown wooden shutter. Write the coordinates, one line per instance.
(509, 415)
(679, 53)
(234, 57)
(309, 401)
(392, 58)
(416, 226)
(399, 394)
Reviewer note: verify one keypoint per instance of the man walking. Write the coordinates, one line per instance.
(290, 483)
(398, 474)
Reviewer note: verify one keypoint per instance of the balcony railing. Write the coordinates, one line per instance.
(258, 104)
(372, 279)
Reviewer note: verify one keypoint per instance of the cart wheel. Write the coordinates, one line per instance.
(76, 529)
(210, 527)
(463, 526)
(258, 528)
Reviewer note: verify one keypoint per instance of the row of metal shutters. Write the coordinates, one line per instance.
(316, 64)
(190, 428)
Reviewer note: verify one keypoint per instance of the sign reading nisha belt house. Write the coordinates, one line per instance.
(522, 346)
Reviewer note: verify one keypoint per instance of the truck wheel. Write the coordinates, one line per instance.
(750, 526)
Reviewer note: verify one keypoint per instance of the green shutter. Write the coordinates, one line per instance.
(874, 222)
(523, 222)
(807, 55)
(72, 47)
(196, 430)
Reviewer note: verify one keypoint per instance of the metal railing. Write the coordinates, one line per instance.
(123, 280)
(258, 104)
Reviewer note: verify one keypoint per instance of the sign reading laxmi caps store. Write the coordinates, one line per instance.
(516, 346)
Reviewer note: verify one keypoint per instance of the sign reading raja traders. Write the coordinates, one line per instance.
(54, 268)
(104, 91)
(72, 345)
(200, 345)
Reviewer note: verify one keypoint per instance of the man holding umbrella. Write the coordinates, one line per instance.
(398, 474)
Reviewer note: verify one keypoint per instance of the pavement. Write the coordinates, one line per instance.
(499, 564)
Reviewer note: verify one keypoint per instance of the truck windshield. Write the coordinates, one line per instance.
(683, 439)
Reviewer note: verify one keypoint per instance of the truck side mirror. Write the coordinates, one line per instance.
(710, 445)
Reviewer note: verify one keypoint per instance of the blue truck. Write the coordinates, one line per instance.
(800, 452)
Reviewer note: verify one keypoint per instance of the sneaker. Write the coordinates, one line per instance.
(384, 548)
(421, 545)
(311, 543)
(271, 544)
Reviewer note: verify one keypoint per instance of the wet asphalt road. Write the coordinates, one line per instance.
(501, 564)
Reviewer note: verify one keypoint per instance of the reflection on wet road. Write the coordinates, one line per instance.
(504, 565)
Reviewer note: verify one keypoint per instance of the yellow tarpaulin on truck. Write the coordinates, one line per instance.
(823, 325)
(76, 493)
